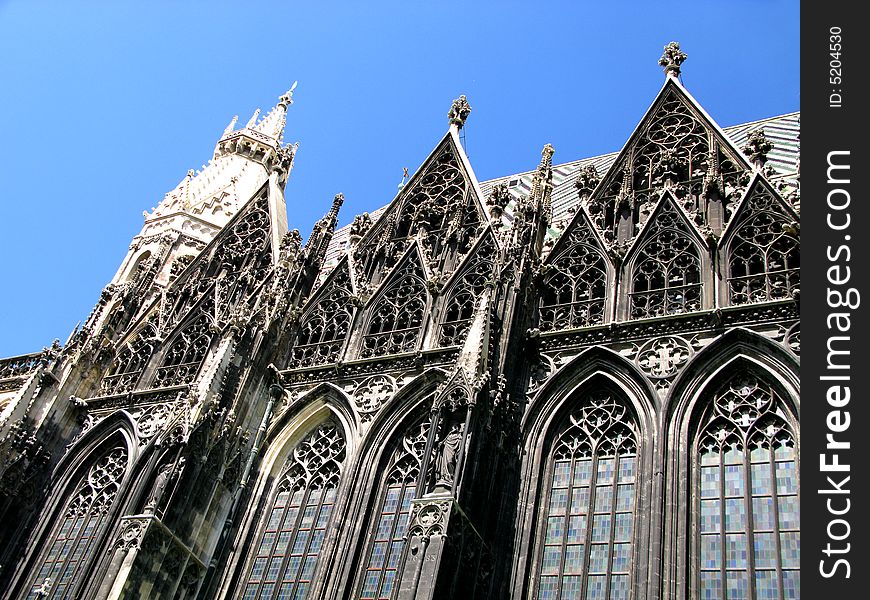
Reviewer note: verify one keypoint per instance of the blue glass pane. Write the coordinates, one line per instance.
(762, 483)
(576, 529)
(627, 466)
(735, 514)
(550, 560)
(711, 585)
(791, 584)
(395, 554)
(580, 500)
(762, 513)
(625, 497)
(711, 516)
(603, 498)
(391, 501)
(624, 527)
(711, 551)
(379, 553)
(549, 588)
(738, 585)
(735, 551)
(605, 471)
(789, 512)
(619, 585)
(734, 480)
(733, 455)
(786, 478)
(784, 452)
(571, 588)
(766, 585)
(300, 541)
(555, 530)
(598, 556)
(387, 584)
(274, 568)
(621, 556)
(385, 527)
(710, 482)
(582, 472)
(791, 549)
(601, 528)
(759, 454)
(558, 501)
(765, 551)
(561, 473)
(370, 584)
(596, 587)
(574, 559)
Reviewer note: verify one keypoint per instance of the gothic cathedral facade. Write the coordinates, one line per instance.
(579, 382)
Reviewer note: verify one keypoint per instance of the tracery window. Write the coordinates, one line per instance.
(386, 542)
(574, 294)
(428, 203)
(746, 502)
(185, 354)
(666, 279)
(128, 365)
(74, 535)
(398, 316)
(290, 541)
(463, 297)
(324, 328)
(764, 254)
(587, 530)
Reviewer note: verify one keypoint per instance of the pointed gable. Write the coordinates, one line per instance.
(665, 264)
(440, 204)
(761, 247)
(465, 288)
(396, 313)
(574, 279)
(675, 146)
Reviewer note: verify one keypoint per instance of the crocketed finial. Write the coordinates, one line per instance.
(757, 147)
(672, 58)
(459, 111)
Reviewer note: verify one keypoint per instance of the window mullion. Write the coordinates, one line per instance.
(723, 546)
(774, 493)
(590, 520)
(749, 526)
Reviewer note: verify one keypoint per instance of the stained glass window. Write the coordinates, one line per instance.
(398, 316)
(290, 541)
(588, 526)
(75, 533)
(747, 542)
(386, 544)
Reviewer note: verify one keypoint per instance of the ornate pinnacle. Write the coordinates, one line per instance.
(459, 111)
(757, 147)
(547, 155)
(587, 181)
(672, 58)
(286, 99)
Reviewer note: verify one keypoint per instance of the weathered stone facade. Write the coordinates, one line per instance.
(578, 382)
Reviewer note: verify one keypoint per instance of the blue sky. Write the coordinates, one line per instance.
(106, 107)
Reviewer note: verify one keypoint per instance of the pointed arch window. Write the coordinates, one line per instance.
(185, 354)
(463, 297)
(587, 526)
(288, 546)
(128, 365)
(398, 316)
(764, 254)
(386, 542)
(746, 504)
(324, 328)
(74, 536)
(666, 279)
(574, 294)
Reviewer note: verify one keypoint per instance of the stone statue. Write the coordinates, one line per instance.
(448, 455)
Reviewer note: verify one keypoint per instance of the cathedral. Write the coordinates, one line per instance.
(577, 382)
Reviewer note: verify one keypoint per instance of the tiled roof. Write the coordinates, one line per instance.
(783, 131)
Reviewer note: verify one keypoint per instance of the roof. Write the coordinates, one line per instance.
(782, 130)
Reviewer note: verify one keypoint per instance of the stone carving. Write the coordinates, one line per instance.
(371, 394)
(757, 148)
(447, 455)
(459, 111)
(429, 517)
(672, 58)
(662, 358)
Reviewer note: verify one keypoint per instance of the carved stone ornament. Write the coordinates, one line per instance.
(672, 58)
(371, 394)
(429, 517)
(459, 111)
(662, 358)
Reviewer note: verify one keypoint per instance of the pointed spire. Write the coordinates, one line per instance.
(231, 126)
(253, 120)
(286, 99)
(672, 58)
(459, 111)
(473, 357)
(273, 123)
(323, 232)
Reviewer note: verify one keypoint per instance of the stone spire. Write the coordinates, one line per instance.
(459, 111)
(273, 123)
(672, 58)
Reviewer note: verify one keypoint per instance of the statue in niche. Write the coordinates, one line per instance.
(447, 456)
(166, 474)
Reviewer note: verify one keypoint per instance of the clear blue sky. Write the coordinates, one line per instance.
(107, 105)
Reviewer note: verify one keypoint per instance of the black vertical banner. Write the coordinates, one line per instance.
(835, 300)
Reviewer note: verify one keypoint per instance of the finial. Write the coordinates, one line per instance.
(232, 125)
(757, 147)
(672, 58)
(286, 99)
(459, 111)
(253, 120)
(337, 202)
(547, 155)
(587, 181)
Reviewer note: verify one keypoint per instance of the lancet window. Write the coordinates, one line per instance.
(764, 254)
(290, 541)
(325, 325)
(75, 534)
(574, 293)
(185, 354)
(666, 279)
(587, 529)
(398, 315)
(464, 295)
(386, 543)
(746, 505)
(130, 361)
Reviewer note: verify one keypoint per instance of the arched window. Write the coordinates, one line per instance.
(289, 542)
(464, 294)
(574, 293)
(666, 279)
(746, 502)
(130, 361)
(75, 532)
(764, 253)
(324, 327)
(185, 354)
(587, 529)
(386, 539)
(398, 316)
